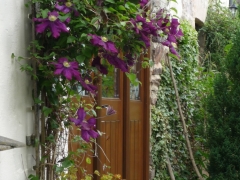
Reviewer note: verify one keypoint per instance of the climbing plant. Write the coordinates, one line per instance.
(168, 140)
(76, 43)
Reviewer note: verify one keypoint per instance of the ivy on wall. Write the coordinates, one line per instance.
(167, 133)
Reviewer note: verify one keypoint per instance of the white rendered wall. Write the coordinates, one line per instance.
(16, 118)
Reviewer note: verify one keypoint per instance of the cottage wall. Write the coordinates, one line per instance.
(16, 117)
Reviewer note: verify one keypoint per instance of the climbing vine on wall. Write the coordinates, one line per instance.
(75, 43)
(167, 132)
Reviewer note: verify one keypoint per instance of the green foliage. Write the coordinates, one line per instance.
(219, 30)
(167, 133)
(224, 122)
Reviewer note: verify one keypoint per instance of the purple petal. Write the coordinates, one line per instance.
(173, 51)
(85, 135)
(96, 63)
(58, 71)
(81, 114)
(67, 73)
(171, 38)
(40, 28)
(110, 111)
(54, 29)
(111, 47)
(62, 59)
(59, 7)
(54, 13)
(77, 122)
(93, 134)
(92, 121)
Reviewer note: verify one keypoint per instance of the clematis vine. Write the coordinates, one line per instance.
(53, 23)
(87, 126)
(102, 41)
(66, 7)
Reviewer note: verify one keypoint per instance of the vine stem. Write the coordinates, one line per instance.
(170, 169)
(185, 131)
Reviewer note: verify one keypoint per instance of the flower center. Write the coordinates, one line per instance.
(139, 26)
(66, 64)
(68, 4)
(52, 18)
(87, 81)
(148, 20)
(104, 39)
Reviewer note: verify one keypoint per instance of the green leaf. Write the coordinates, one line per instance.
(64, 17)
(80, 58)
(110, 1)
(37, 101)
(71, 39)
(46, 111)
(133, 78)
(44, 13)
(51, 138)
(88, 160)
(123, 23)
(174, 9)
(67, 163)
(121, 7)
(33, 177)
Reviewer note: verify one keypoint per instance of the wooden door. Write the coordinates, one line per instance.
(126, 138)
(123, 147)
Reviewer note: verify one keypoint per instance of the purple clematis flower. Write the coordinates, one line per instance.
(66, 68)
(143, 3)
(174, 33)
(66, 7)
(87, 85)
(144, 28)
(87, 126)
(117, 62)
(103, 42)
(97, 63)
(53, 23)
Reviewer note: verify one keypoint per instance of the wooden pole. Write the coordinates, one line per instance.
(185, 131)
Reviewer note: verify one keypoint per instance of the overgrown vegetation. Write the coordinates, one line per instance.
(209, 93)
(167, 133)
